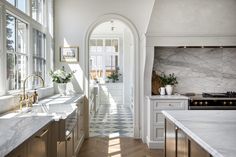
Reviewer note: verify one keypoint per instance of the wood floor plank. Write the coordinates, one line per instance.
(116, 147)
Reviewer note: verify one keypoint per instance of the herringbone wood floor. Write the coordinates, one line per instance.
(116, 147)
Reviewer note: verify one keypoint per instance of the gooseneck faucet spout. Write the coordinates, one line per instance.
(42, 80)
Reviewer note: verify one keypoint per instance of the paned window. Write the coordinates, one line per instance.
(38, 10)
(20, 4)
(39, 55)
(104, 55)
(17, 55)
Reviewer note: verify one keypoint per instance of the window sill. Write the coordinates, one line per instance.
(10, 101)
(18, 92)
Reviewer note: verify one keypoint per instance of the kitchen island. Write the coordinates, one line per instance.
(200, 133)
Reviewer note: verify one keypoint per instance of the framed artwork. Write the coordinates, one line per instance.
(69, 54)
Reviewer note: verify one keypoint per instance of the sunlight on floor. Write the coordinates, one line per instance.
(114, 148)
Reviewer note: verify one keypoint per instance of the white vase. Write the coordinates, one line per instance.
(62, 88)
(169, 89)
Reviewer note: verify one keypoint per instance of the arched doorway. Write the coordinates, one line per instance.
(133, 30)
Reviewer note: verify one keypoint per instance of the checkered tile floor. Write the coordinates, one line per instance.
(112, 120)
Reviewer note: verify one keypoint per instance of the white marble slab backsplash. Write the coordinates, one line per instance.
(198, 69)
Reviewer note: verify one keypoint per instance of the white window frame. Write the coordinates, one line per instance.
(16, 52)
(31, 23)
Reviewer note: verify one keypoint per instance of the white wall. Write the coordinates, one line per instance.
(128, 70)
(73, 18)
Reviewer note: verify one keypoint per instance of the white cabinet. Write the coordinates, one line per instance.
(111, 92)
(156, 104)
(70, 143)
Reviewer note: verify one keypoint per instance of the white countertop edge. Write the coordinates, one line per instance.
(171, 97)
(192, 135)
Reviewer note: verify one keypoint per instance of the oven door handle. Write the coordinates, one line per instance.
(212, 107)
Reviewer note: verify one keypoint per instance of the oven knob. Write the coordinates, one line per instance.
(200, 103)
(195, 103)
(206, 103)
(224, 102)
(230, 102)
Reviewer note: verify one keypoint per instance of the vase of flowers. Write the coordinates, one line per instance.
(168, 81)
(61, 77)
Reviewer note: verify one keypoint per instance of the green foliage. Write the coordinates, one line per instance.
(114, 75)
(61, 76)
(170, 79)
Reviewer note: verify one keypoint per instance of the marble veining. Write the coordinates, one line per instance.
(212, 130)
(15, 131)
(19, 127)
(199, 69)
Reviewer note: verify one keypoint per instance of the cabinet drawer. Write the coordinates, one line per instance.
(158, 118)
(158, 133)
(169, 105)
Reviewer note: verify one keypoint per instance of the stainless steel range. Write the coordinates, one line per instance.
(213, 101)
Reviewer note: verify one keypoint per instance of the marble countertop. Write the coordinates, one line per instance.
(168, 97)
(215, 131)
(60, 107)
(14, 131)
(16, 127)
(58, 99)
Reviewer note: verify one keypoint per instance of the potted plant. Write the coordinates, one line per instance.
(114, 75)
(168, 81)
(61, 77)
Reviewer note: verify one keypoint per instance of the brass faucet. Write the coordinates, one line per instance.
(24, 95)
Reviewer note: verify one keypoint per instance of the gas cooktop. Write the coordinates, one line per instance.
(229, 94)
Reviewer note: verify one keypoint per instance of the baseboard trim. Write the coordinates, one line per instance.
(154, 144)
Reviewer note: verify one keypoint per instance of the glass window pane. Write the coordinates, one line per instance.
(115, 45)
(11, 64)
(99, 42)
(37, 10)
(39, 69)
(22, 36)
(11, 32)
(21, 4)
(39, 44)
(108, 42)
(21, 70)
(92, 42)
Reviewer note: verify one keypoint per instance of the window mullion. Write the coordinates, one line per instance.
(3, 55)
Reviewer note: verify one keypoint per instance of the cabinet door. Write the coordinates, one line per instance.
(197, 151)
(69, 146)
(21, 151)
(170, 139)
(182, 144)
(61, 149)
(38, 145)
(76, 136)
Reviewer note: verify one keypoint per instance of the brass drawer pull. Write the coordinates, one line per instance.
(44, 133)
